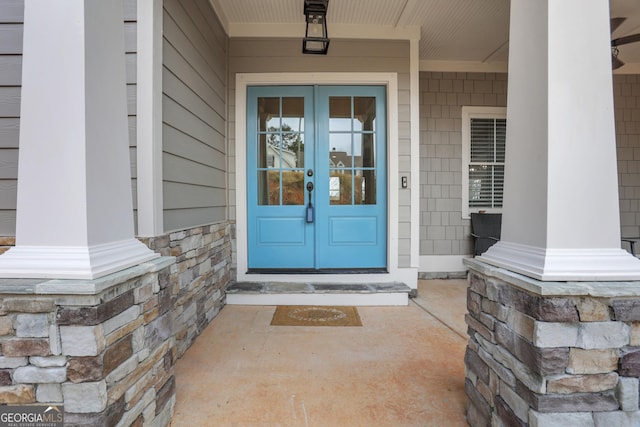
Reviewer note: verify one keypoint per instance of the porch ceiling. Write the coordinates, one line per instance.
(454, 34)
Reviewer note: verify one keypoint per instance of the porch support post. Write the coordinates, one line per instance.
(74, 207)
(561, 216)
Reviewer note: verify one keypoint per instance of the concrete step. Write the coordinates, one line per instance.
(296, 293)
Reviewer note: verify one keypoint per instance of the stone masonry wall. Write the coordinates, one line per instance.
(103, 348)
(106, 348)
(202, 271)
(569, 356)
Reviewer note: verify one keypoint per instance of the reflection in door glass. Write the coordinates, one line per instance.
(292, 150)
(269, 150)
(365, 144)
(341, 150)
(293, 114)
(269, 187)
(364, 112)
(352, 150)
(280, 151)
(292, 188)
(268, 113)
(365, 184)
(340, 187)
(340, 113)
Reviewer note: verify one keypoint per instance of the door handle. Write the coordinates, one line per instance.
(309, 213)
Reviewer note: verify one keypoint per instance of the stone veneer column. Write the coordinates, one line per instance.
(561, 215)
(107, 355)
(551, 354)
(74, 207)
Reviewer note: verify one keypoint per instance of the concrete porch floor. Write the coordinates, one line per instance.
(403, 367)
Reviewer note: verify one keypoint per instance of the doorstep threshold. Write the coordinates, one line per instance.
(315, 288)
(293, 271)
(309, 293)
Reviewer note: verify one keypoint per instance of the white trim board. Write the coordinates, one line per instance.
(243, 80)
(336, 31)
(442, 263)
(149, 119)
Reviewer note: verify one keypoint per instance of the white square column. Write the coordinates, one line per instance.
(561, 216)
(74, 207)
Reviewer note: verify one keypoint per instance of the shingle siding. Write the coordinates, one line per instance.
(442, 96)
(11, 18)
(627, 111)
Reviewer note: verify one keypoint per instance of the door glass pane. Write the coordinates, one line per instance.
(268, 114)
(340, 143)
(364, 150)
(340, 187)
(365, 187)
(262, 151)
(293, 114)
(269, 187)
(269, 151)
(293, 188)
(292, 150)
(280, 151)
(274, 139)
(364, 111)
(340, 113)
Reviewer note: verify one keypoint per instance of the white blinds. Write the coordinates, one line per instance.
(486, 166)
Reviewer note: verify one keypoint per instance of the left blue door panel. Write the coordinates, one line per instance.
(280, 133)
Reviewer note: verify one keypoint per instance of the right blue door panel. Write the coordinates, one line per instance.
(352, 170)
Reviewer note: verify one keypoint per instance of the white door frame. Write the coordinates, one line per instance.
(390, 80)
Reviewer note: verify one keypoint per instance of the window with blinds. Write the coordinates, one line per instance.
(484, 137)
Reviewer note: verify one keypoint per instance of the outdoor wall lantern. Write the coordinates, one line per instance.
(316, 40)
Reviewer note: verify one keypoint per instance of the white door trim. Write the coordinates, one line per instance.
(248, 79)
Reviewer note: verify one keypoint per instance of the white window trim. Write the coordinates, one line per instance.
(469, 113)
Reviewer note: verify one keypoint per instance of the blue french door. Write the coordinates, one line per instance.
(316, 178)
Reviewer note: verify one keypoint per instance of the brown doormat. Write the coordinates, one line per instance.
(314, 315)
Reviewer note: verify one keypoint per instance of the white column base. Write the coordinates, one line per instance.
(564, 264)
(73, 262)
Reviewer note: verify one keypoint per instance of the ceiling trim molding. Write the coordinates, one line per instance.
(336, 31)
(496, 67)
(219, 11)
(464, 66)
